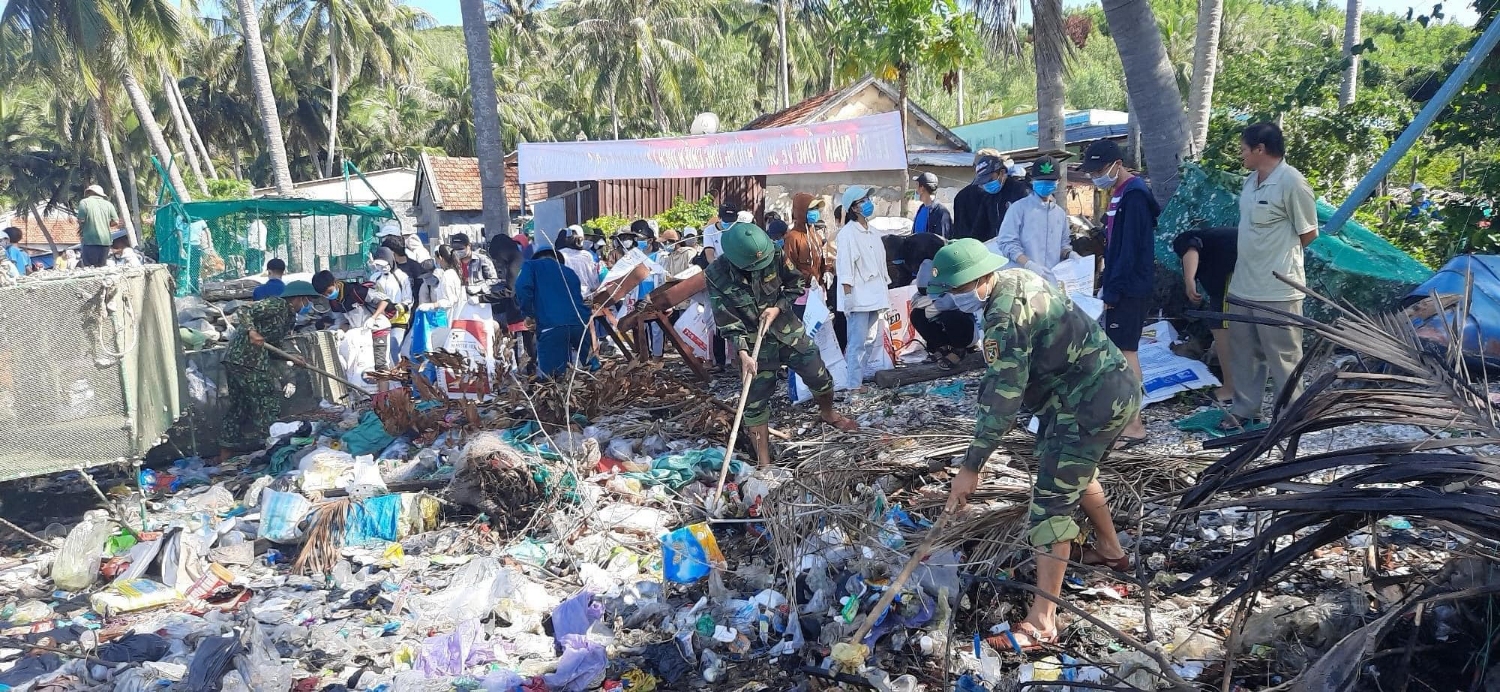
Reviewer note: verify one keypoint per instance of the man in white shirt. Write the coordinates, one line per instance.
(713, 244)
(1034, 233)
(581, 261)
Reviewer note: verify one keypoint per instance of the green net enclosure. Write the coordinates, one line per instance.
(90, 370)
(207, 242)
(1356, 266)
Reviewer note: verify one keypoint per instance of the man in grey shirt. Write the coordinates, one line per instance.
(1278, 218)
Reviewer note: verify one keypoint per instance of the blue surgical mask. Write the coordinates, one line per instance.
(334, 295)
(780, 243)
(813, 215)
(304, 310)
(1044, 188)
(643, 245)
(866, 208)
(992, 187)
(969, 301)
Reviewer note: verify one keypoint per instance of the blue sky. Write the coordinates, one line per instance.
(446, 11)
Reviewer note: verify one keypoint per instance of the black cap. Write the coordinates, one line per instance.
(641, 228)
(1045, 168)
(987, 166)
(927, 180)
(459, 241)
(1100, 155)
(728, 212)
(776, 228)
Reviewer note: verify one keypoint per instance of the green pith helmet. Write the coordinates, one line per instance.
(300, 289)
(748, 247)
(960, 262)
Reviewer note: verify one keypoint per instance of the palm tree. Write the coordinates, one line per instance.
(1152, 86)
(639, 47)
(260, 79)
(1350, 84)
(496, 213)
(1049, 43)
(1205, 66)
(89, 41)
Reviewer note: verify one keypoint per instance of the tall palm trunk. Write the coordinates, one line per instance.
(1152, 85)
(960, 93)
(1205, 67)
(1350, 85)
(142, 108)
(614, 113)
(107, 152)
(333, 101)
(1047, 47)
(192, 125)
(784, 76)
(487, 142)
(656, 110)
(179, 123)
(260, 76)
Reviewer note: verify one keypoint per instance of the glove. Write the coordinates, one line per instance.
(427, 306)
(1032, 266)
(1073, 254)
(474, 290)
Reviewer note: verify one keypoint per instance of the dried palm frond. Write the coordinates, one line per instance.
(325, 537)
(1395, 379)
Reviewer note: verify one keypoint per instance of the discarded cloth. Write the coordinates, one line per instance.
(677, 469)
(375, 519)
(453, 653)
(280, 514)
(369, 437)
(667, 661)
(211, 661)
(30, 668)
(135, 648)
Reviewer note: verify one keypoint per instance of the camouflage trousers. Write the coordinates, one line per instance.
(254, 404)
(1070, 444)
(801, 355)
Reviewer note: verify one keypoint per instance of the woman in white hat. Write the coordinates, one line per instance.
(864, 282)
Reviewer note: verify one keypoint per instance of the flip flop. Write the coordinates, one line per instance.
(1124, 443)
(1024, 642)
(1239, 426)
(1121, 564)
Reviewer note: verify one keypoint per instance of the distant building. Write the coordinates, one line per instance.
(61, 225)
(393, 186)
(1017, 134)
(447, 197)
(930, 147)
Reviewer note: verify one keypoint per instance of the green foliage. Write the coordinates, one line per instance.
(223, 188)
(607, 225)
(891, 38)
(684, 213)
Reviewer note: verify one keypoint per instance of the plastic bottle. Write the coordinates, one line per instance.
(77, 563)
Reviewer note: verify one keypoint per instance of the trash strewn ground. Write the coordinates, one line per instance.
(558, 540)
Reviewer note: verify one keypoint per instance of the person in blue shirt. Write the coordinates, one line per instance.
(273, 286)
(548, 292)
(932, 216)
(1421, 204)
(17, 256)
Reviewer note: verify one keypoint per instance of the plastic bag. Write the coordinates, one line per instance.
(77, 562)
(135, 594)
(581, 667)
(280, 514)
(690, 553)
(696, 326)
(453, 653)
(472, 593)
(357, 356)
(260, 665)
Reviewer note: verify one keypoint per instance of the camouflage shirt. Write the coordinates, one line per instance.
(1042, 351)
(272, 318)
(739, 297)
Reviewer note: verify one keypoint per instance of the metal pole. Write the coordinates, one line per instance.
(1445, 94)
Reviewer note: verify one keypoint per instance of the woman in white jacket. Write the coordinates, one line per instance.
(438, 298)
(863, 294)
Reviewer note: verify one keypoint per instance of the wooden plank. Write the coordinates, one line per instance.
(912, 374)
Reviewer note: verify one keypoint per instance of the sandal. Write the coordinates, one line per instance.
(1092, 558)
(1229, 424)
(1022, 641)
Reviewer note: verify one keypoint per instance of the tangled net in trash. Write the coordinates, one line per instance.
(642, 387)
(496, 480)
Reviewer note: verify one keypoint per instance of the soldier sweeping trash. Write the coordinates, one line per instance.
(752, 287)
(1045, 353)
(253, 392)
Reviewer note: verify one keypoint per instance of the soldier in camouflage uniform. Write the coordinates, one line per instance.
(254, 394)
(750, 284)
(1046, 354)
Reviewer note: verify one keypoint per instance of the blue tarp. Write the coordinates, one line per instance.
(1481, 331)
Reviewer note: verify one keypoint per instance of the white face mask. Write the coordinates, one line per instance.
(969, 301)
(1104, 180)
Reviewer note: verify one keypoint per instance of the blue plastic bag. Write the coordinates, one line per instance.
(690, 553)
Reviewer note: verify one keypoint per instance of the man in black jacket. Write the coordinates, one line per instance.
(979, 208)
(1129, 259)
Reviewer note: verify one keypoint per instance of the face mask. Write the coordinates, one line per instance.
(334, 295)
(304, 310)
(643, 245)
(780, 243)
(813, 215)
(992, 186)
(969, 301)
(1044, 188)
(866, 209)
(1104, 180)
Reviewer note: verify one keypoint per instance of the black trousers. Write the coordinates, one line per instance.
(952, 329)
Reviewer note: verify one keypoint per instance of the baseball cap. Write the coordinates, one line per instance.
(727, 212)
(1100, 155)
(1045, 168)
(459, 241)
(927, 180)
(987, 166)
